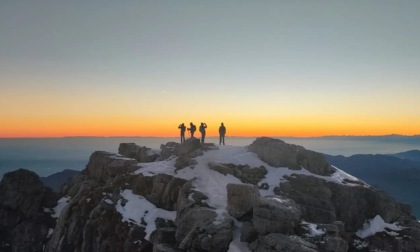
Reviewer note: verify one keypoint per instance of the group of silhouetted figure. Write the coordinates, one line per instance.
(203, 126)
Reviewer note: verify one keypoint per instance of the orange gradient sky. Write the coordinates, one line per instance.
(141, 68)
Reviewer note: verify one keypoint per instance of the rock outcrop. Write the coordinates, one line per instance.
(25, 219)
(276, 215)
(167, 150)
(191, 147)
(197, 226)
(140, 153)
(277, 153)
(245, 173)
(162, 190)
(326, 202)
(90, 221)
(103, 166)
(241, 199)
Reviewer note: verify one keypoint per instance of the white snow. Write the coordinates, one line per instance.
(340, 176)
(50, 231)
(278, 200)
(153, 168)
(312, 229)
(377, 225)
(61, 204)
(47, 210)
(120, 157)
(236, 245)
(359, 244)
(108, 201)
(138, 208)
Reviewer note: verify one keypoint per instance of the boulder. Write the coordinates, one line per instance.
(184, 161)
(241, 199)
(326, 202)
(165, 190)
(167, 150)
(312, 195)
(314, 162)
(247, 174)
(276, 215)
(163, 238)
(214, 237)
(221, 168)
(103, 166)
(24, 217)
(141, 154)
(198, 230)
(275, 242)
(191, 147)
(162, 190)
(277, 153)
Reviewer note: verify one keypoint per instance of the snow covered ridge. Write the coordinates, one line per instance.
(378, 225)
(190, 196)
(139, 211)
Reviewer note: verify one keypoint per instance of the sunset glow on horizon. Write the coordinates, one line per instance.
(141, 68)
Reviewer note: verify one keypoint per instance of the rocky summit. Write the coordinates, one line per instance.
(269, 196)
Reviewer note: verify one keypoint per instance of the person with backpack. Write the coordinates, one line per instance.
(222, 133)
(203, 127)
(192, 129)
(182, 127)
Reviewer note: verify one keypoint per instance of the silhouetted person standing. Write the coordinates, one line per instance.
(222, 133)
(192, 129)
(203, 127)
(183, 128)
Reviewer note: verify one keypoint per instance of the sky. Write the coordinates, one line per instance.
(272, 68)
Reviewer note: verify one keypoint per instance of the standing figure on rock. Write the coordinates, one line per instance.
(192, 129)
(203, 127)
(222, 133)
(183, 128)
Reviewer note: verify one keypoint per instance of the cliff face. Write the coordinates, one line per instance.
(193, 197)
(25, 219)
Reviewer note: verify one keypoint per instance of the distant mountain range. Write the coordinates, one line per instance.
(57, 180)
(397, 174)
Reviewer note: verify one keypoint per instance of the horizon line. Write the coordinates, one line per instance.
(138, 136)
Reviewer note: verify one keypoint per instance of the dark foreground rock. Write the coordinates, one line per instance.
(275, 242)
(24, 211)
